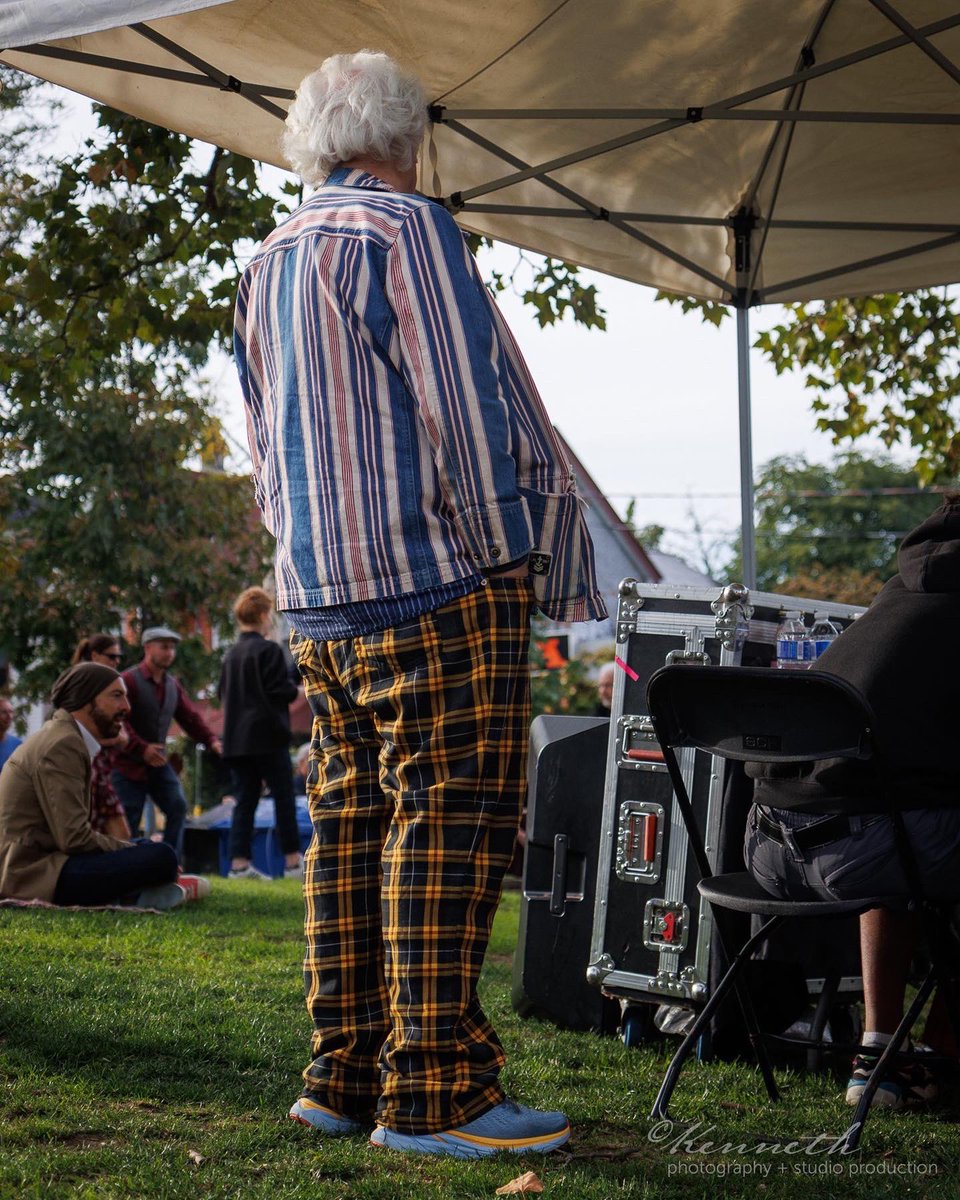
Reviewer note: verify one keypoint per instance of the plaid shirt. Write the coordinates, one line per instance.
(398, 442)
(104, 801)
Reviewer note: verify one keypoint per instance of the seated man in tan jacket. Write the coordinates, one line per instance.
(48, 848)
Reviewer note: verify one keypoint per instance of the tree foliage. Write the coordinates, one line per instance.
(885, 365)
(571, 689)
(550, 287)
(117, 273)
(833, 531)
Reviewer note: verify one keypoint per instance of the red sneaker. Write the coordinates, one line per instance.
(195, 886)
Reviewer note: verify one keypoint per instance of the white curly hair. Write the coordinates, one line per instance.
(354, 106)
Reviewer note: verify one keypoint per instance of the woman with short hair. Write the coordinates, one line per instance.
(256, 690)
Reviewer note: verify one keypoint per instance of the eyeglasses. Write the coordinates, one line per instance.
(114, 657)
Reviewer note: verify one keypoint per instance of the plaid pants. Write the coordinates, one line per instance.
(417, 776)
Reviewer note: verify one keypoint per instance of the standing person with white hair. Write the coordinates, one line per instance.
(605, 690)
(422, 508)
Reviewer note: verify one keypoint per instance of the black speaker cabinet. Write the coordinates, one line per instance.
(564, 812)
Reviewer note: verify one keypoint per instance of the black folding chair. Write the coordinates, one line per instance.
(751, 714)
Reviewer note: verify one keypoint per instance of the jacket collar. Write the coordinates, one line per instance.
(62, 717)
(351, 177)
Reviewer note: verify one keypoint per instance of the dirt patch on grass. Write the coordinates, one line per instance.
(85, 1141)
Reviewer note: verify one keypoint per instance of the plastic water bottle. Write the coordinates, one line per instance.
(821, 636)
(791, 635)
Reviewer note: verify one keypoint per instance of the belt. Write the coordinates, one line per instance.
(818, 833)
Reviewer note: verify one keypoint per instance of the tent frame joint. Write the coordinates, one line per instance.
(744, 221)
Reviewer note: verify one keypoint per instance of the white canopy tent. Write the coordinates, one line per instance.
(745, 150)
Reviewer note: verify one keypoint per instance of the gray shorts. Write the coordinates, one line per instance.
(862, 864)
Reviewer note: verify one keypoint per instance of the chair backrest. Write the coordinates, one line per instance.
(757, 714)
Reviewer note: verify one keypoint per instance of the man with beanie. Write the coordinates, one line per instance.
(902, 658)
(48, 848)
(156, 700)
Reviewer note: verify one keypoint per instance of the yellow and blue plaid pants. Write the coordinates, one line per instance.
(416, 783)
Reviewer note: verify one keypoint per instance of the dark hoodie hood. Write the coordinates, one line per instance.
(929, 557)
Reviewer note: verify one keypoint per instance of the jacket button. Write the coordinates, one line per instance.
(494, 551)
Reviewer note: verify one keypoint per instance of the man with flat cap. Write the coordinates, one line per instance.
(157, 699)
(48, 848)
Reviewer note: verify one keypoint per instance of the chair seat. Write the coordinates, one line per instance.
(741, 892)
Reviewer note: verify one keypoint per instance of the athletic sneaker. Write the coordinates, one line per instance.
(509, 1127)
(167, 895)
(195, 886)
(249, 872)
(325, 1120)
(908, 1082)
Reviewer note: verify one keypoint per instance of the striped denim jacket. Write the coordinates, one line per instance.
(398, 441)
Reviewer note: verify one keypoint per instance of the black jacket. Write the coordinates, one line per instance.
(256, 691)
(903, 655)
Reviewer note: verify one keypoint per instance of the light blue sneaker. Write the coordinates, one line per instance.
(509, 1127)
(324, 1120)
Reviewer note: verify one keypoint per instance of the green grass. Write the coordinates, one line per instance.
(156, 1056)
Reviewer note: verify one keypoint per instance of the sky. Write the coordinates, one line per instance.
(649, 405)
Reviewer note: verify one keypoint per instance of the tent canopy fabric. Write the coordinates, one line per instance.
(741, 151)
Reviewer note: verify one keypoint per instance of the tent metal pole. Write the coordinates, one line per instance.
(747, 537)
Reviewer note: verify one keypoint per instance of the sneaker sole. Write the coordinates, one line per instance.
(464, 1145)
(329, 1123)
(162, 898)
(884, 1097)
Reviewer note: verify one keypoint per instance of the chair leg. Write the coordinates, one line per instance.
(660, 1110)
(951, 996)
(944, 948)
(824, 1003)
(879, 1072)
(745, 1000)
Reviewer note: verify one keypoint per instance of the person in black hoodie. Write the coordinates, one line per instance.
(903, 656)
(256, 690)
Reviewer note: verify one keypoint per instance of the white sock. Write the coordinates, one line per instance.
(876, 1039)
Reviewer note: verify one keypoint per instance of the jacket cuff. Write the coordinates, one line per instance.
(583, 608)
(496, 534)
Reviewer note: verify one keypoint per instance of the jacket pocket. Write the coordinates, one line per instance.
(556, 567)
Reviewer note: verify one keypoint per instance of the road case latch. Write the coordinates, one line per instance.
(733, 611)
(665, 925)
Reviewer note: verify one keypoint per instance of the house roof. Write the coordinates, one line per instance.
(612, 539)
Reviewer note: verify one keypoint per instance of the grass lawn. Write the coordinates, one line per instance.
(156, 1056)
